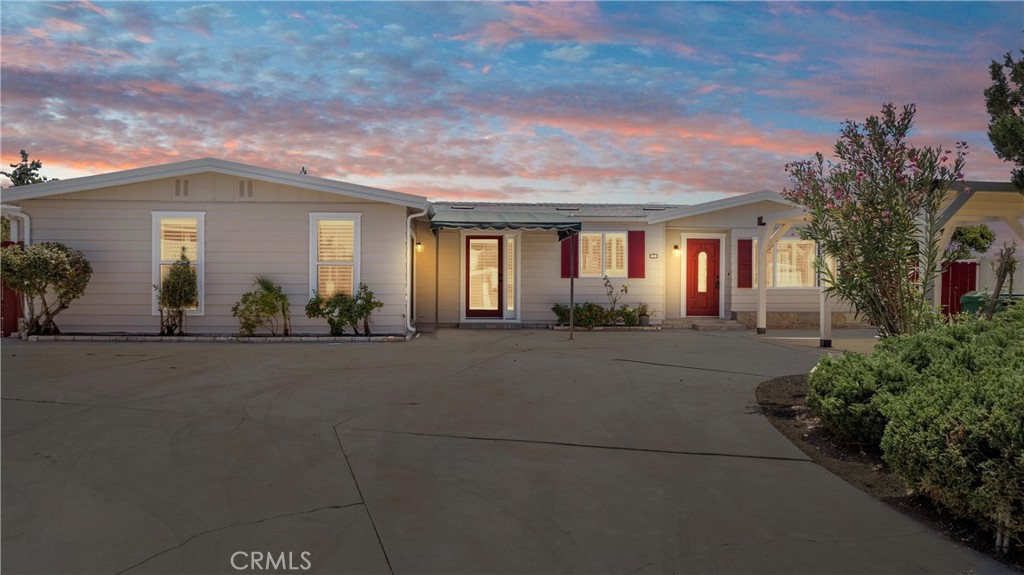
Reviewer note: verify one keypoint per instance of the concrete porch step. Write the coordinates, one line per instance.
(704, 324)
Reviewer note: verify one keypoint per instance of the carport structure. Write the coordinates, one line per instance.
(994, 203)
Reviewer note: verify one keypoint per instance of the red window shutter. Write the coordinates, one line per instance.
(745, 263)
(637, 254)
(571, 256)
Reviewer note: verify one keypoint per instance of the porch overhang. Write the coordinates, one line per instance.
(494, 220)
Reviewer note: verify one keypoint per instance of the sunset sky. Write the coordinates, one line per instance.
(673, 102)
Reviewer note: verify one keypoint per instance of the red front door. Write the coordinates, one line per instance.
(484, 276)
(702, 279)
(960, 278)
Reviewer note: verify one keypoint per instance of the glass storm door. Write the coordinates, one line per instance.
(702, 279)
(484, 259)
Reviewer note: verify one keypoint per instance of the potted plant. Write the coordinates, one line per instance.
(644, 312)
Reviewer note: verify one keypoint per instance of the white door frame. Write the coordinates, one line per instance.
(722, 246)
(518, 282)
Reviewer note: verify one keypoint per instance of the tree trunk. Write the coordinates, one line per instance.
(1002, 270)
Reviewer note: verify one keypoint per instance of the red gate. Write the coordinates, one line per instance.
(10, 307)
(960, 278)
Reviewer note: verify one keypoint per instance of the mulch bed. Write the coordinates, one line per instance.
(783, 401)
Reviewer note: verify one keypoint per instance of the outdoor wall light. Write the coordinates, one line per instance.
(675, 250)
(419, 247)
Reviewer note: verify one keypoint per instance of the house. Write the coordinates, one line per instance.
(236, 222)
(445, 263)
(511, 262)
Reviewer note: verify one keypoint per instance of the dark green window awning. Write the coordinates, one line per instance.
(494, 220)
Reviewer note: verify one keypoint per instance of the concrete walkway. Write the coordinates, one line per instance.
(468, 452)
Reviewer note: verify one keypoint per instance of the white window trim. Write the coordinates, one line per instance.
(604, 241)
(505, 235)
(200, 265)
(817, 279)
(315, 217)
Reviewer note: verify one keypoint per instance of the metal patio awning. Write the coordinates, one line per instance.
(495, 220)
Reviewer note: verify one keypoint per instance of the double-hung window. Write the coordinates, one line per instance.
(173, 231)
(603, 254)
(333, 253)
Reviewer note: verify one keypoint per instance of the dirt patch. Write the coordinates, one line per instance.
(783, 401)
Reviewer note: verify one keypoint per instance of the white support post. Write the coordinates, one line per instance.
(824, 318)
(763, 248)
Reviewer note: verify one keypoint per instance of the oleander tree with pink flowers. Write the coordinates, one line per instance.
(875, 209)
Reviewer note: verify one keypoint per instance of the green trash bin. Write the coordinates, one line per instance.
(973, 302)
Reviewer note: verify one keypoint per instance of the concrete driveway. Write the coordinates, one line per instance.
(471, 452)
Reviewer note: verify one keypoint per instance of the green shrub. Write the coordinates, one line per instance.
(586, 315)
(50, 276)
(946, 407)
(336, 309)
(628, 316)
(266, 306)
(959, 438)
(341, 310)
(848, 394)
(590, 315)
(561, 313)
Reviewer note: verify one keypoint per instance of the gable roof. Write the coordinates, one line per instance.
(723, 204)
(205, 165)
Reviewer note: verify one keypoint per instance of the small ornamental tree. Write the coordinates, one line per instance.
(49, 276)
(876, 210)
(177, 292)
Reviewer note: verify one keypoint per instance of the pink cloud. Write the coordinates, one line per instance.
(784, 58)
(556, 21)
(63, 25)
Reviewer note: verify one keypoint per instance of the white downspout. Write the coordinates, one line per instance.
(410, 254)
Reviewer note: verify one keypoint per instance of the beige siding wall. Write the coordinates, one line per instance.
(735, 223)
(779, 299)
(541, 284)
(448, 308)
(268, 234)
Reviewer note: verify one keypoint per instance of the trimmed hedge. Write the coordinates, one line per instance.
(848, 394)
(590, 315)
(960, 441)
(946, 407)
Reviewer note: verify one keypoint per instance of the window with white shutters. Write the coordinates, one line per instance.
(603, 254)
